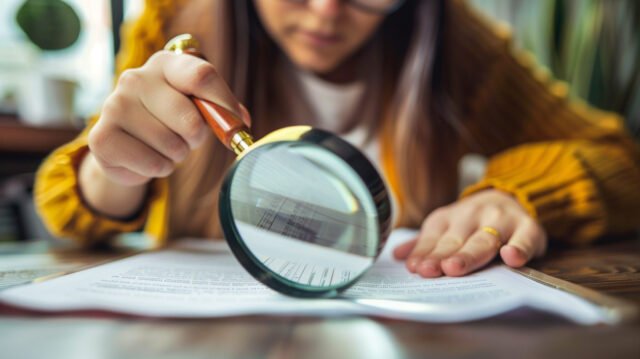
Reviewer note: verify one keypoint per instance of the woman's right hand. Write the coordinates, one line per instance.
(149, 124)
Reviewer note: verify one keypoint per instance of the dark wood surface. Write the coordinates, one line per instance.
(23, 147)
(612, 268)
(17, 137)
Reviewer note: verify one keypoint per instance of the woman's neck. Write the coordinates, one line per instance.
(349, 70)
(344, 73)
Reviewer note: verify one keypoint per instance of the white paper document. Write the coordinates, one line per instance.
(209, 282)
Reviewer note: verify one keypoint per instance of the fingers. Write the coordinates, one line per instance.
(481, 247)
(145, 127)
(194, 76)
(528, 241)
(119, 153)
(402, 251)
(177, 113)
(468, 234)
(141, 98)
(495, 225)
(441, 236)
(450, 243)
(432, 229)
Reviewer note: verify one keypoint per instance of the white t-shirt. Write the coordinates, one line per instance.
(332, 105)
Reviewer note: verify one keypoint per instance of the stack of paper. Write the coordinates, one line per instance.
(208, 282)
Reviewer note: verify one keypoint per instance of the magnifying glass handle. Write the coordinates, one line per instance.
(229, 129)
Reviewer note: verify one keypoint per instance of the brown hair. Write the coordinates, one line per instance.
(411, 118)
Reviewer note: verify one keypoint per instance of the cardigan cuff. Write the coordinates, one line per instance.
(60, 204)
(553, 185)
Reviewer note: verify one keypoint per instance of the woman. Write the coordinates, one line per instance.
(416, 84)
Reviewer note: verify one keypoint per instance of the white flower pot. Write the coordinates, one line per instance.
(46, 101)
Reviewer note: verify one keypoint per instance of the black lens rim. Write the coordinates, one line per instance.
(375, 10)
(367, 7)
(363, 168)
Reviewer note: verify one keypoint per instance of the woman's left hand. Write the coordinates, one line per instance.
(459, 238)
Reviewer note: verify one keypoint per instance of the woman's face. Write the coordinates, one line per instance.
(317, 35)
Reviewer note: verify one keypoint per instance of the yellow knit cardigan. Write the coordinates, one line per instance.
(572, 167)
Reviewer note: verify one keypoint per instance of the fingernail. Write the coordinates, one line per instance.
(246, 117)
(199, 141)
(517, 259)
(520, 252)
(429, 268)
(457, 262)
(412, 263)
(166, 171)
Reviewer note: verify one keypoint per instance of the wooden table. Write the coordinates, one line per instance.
(612, 268)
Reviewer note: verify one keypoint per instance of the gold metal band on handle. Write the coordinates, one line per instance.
(182, 42)
(240, 141)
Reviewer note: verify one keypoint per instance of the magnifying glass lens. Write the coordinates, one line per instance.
(304, 218)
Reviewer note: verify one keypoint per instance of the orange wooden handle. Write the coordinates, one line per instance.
(223, 123)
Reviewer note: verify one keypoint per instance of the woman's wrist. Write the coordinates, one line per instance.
(106, 197)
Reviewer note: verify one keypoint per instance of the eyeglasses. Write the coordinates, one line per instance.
(372, 6)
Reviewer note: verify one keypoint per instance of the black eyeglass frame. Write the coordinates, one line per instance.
(367, 8)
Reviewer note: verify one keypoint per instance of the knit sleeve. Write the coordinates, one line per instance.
(57, 196)
(60, 204)
(574, 168)
(147, 34)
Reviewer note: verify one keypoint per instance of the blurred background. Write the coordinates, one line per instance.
(56, 68)
(57, 59)
(594, 45)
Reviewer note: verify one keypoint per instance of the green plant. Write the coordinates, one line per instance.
(49, 24)
(594, 45)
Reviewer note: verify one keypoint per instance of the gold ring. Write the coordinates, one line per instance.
(494, 232)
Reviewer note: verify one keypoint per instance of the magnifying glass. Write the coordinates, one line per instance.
(303, 211)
